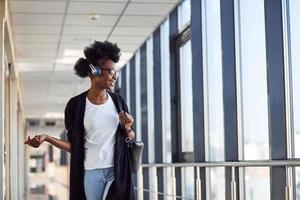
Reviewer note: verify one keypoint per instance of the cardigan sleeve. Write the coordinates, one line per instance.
(68, 121)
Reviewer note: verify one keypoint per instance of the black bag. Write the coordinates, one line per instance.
(136, 147)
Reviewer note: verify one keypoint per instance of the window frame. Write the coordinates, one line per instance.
(179, 40)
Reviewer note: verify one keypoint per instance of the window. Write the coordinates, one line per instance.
(185, 110)
(166, 103)
(186, 103)
(150, 100)
(128, 84)
(254, 97)
(138, 96)
(150, 117)
(213, 94)
(294, 7)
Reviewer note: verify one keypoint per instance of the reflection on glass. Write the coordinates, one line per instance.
(186, 94)
(254, 96)
(295, 49)
(214, 96)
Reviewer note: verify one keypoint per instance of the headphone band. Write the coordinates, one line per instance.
(92, 67)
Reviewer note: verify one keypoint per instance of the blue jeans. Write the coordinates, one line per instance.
(97, 183)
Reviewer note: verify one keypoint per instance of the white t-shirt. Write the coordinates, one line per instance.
(100, 123)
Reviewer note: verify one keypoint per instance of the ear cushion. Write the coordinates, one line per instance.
(96, 71)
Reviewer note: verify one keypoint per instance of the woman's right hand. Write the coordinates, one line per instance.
(36, 141)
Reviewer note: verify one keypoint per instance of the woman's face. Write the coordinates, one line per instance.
(108, 76)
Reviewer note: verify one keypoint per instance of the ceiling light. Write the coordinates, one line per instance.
(94, 16)
(66, 60)
(73, 52)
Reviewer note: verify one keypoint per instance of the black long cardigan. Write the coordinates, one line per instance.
(122, 186)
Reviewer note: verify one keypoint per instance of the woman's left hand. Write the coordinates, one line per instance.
(126, 119)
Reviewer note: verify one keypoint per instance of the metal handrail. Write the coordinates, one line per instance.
(232, 164)
(164, 194)
(250, 163)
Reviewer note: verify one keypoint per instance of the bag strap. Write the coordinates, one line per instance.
(120, 109)
(117, 101)
(119, 105)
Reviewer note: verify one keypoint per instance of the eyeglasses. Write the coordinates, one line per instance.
(111, 72)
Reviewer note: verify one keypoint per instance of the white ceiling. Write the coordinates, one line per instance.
(49, 37)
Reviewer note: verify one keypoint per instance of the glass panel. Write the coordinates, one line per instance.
(187, 176)
(295, 49)
(257, 183)
(184, 14)
(165, 92)
(138, 116)
(186, 104)
(128, 85)
(214, 96)
(254, 96)
(166, 105)
(214, 82)
(217, 183)
(150, 118)
(186, 100)
(150, 101)
(254, 80)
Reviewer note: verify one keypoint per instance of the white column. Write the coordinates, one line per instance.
(14, 139)
(2, 11)
(22, 172)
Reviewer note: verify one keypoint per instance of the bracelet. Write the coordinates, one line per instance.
(128, 139)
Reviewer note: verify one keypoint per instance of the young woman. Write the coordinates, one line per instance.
(98, 131)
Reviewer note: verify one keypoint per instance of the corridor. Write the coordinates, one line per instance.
(212, 86)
